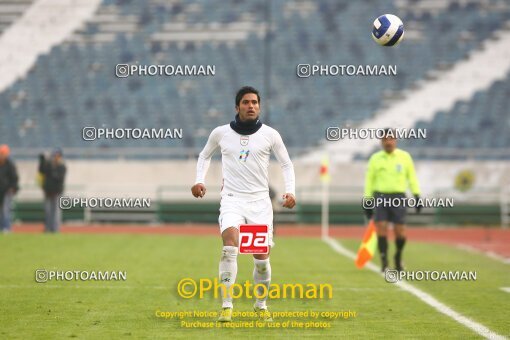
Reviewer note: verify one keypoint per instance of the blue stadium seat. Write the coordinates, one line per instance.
(71, 73)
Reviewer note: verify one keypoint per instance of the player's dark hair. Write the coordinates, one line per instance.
(245, 90)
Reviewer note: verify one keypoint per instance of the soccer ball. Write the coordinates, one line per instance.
(388, 30)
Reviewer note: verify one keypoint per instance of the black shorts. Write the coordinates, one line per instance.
(395, 213)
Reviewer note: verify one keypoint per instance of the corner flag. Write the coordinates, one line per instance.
(325, 178)
(368, 245)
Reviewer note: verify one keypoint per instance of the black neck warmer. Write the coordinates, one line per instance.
(245, 128)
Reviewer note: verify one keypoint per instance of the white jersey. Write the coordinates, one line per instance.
(245, 162)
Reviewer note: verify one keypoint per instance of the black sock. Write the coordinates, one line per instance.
(399, 242)
(382, 243)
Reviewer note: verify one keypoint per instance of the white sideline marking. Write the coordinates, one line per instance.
(425, 297)
(505, 289)
(490, 254)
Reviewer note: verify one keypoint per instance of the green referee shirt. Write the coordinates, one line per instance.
(391, 173)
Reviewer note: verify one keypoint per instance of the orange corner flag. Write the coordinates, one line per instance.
(368, 246)
(325, 170)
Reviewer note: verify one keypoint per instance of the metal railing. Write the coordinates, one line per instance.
(116, 153)
(346, 200)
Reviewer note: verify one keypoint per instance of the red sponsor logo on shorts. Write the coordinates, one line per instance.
(253, 239)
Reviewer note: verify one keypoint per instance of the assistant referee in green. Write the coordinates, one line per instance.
(390, 173)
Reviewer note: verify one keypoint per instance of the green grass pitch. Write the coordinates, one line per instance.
(155, 263)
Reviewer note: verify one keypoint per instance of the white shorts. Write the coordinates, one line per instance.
(234, 213)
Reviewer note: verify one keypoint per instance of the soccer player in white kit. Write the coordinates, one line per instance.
(246, 145)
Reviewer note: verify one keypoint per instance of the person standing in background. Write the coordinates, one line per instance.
(8, 187)
(54, 172)
(389, 175)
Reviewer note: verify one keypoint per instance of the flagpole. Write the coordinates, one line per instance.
(325, 179)
(325, 209)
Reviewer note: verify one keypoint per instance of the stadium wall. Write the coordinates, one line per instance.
(172, 179)
(167, 184)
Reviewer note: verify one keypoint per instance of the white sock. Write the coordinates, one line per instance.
(228, 272)
(262, 275)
